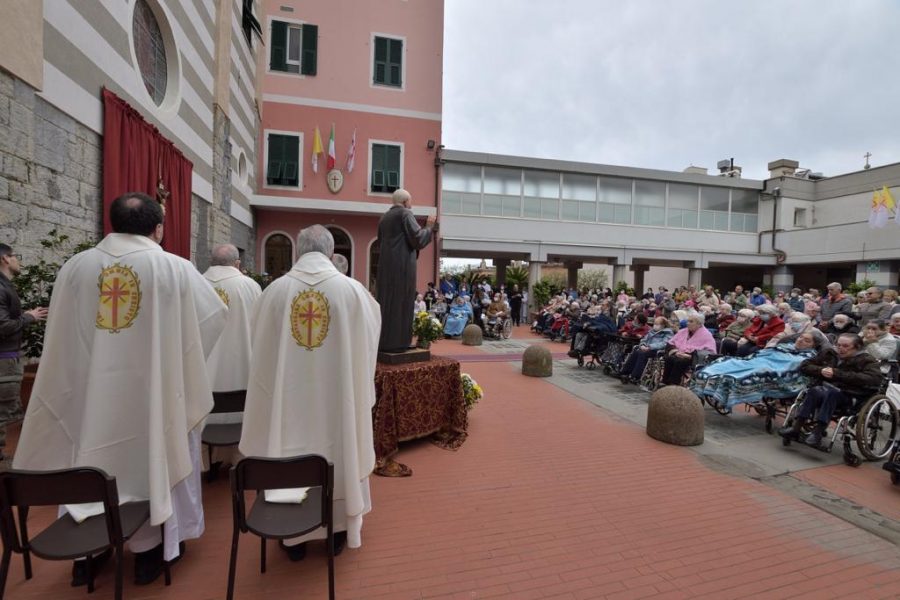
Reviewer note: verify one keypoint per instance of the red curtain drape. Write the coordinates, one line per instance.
(135, 157)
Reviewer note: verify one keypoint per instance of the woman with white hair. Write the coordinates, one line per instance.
(798, 323)
(459, 316)
(695, 337)
(766, 325)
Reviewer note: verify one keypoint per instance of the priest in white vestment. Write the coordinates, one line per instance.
(312, 389)
(122, 384)
(229, 362)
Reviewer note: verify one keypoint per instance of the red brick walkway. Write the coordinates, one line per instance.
(549, 498)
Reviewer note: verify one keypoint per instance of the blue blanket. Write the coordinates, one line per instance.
(457, 319)
(769, 373)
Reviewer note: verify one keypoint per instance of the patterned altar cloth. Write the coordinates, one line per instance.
(414, 401)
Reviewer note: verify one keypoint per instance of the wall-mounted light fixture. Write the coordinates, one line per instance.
(430, 144)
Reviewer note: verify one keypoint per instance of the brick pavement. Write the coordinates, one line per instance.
(550, 497)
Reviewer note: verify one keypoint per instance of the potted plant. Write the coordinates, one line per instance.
(34, 284)
(426, 329)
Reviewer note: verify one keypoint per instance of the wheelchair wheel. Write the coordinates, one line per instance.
(506, 331)
(876, 428)
(895, 478)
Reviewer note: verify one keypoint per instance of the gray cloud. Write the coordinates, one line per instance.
(662, 84)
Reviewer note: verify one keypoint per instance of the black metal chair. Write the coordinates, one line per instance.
(65, 539)
(270, 520)
(224, 434)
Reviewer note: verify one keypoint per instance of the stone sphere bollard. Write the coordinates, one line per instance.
(471, 335)
(537, 362)
(675, 416)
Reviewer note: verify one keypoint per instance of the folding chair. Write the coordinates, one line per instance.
(270, 520)
(65, 539)
(223, 434)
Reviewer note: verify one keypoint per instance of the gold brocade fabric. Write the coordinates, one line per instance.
(415, 401)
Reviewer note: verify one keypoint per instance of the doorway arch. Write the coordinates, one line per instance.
(278, 253)
(343, 245)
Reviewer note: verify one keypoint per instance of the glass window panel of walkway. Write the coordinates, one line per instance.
(547, 195)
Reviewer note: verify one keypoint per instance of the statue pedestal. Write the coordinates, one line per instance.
(401, 358)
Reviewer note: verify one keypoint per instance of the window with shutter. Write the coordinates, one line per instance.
(385, 168)
(388, 65)
(283, 164)
(294, 48)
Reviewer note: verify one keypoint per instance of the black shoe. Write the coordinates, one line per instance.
(295, 553)
(814, 439)
(789, 432)
(340, 539)
(148, 566)
(79, 567)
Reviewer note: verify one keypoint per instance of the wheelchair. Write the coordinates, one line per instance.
(872, 423)
(617, 350)
(498, 328)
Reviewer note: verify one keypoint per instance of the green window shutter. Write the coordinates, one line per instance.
(278, 55)
(392, 161)
(291, 154)
(309, 50)
(274, 164)
(395, 61)
(381, 59)
(378, 167)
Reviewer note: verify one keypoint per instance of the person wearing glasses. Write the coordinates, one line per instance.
(13, 321)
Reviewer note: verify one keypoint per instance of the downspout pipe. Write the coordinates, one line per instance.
(438, 163)
(780, 255)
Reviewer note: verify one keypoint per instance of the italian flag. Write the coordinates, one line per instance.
(331, 153)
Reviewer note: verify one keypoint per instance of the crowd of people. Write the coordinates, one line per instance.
(736, 347)
(456, 304)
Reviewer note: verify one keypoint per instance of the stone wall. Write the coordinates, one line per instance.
(50, 175)
(50, 178)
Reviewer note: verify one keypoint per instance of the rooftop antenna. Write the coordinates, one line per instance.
(867, 155)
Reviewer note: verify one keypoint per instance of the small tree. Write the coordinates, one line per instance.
(623, 286)
(592, 279)
(860, 286)
(516, 275)
(35, 282)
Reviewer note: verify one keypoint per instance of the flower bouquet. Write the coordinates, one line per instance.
(472, 392)
(426, 329)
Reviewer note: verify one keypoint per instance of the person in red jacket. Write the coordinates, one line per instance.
(635, 328)
(766, 325)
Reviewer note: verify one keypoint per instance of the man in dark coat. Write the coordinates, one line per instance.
(400, 239)
(850, 373)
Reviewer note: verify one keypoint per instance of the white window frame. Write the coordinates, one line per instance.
(381, 86)
(369, 169)
(265, 170)
(268, 46)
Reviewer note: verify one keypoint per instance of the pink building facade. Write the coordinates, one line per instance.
(373, 68)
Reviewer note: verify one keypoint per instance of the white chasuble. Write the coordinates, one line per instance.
(311, 387)
(122, 379)
(229, 362)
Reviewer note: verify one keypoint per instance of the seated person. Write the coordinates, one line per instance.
(895, 324)
(878, 341)
(797, 324)
(683, 344)
(458, 317)
(848, 373)
(766, 325)
(419, 305)
(710, 318)
(769, 373)
(439, 308)
(635, 328)
(496, 309)
(839, 325)
(735, 330)
(724, 318)
(655, 340)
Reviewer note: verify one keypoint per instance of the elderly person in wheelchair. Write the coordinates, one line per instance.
(459, 316)
(846, 376)
(497, 322)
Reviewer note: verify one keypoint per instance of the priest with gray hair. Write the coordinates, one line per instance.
(400, 238)
(312, 382)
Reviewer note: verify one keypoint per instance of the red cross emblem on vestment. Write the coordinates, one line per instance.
(310, 318)
(120, 298)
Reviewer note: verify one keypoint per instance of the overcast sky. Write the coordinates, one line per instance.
(665, 84)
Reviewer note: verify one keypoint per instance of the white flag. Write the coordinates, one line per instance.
(351, 153)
